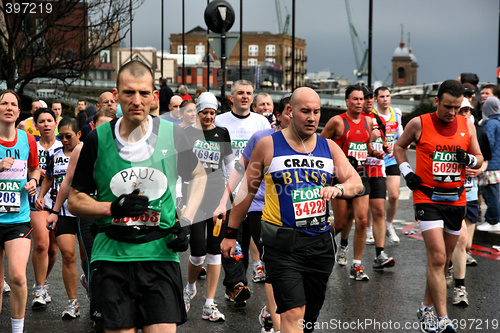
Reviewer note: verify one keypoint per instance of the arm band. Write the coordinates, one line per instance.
(238, 167)
(231, 233)
(473, 161)
(405, 168)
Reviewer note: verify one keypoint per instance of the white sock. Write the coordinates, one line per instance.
(369, 229)
(356, 262)
(17, 325)
(388, 224)
(423, 307)
(209, 301)
(191, 287)
(257, 264)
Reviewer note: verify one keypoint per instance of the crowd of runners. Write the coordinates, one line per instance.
(146, 174)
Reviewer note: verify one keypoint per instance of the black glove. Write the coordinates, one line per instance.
(353, 161)
(129, 205)
(462, 156)
(413, 181)
(181, 229)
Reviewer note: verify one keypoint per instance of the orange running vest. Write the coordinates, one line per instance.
(436, 159)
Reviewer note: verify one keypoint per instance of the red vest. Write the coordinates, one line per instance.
(354, 140)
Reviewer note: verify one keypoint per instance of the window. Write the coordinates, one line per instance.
(252, 62)
(199, 71)
(179, 49)
(272, 60)
(270, 50)
(104, 56)
(253, 50)
(200, 49)
(188, 71)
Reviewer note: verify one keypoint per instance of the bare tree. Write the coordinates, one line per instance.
(58, 39)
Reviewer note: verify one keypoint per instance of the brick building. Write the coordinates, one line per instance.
(260, 48)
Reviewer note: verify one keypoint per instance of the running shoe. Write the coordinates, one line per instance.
(203, 273)
(72, 310)
(470, 260)
(212, 313)
(48, 299)
(391, 233)
(428, 320)
(358, 274)
(6, 287)
(341, 256)
(460, 296)
(488, 227)
(383, 261)
(370, 240)
(39, 302)
(188, 296)
(445, 325)
(238, 295)
(259, 274)
(265, 320)
(85, 284)
(449, 277)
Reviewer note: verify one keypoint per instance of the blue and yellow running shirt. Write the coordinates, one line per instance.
(293, 183)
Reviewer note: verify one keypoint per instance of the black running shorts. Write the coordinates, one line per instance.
(378, 187)
(136, 294)
(66, 225)
(452, 216)
(13, 231)
(300, 277)
(392, 170)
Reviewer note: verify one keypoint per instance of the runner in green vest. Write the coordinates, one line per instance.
(132, 164)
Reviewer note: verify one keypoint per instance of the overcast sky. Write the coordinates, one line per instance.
(448, 37)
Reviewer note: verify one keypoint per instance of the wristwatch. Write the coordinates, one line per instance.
(36, 181)
(341, 188)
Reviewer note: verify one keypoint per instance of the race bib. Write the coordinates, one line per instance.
(389, 139)
(237, 146)
(468, 183)
(150, 218)
(445, 168)
(359, 151)
(378, 144)
(208, 153)
(10, 196)
(309, 208)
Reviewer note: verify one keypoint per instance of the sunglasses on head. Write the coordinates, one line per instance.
(67, 136)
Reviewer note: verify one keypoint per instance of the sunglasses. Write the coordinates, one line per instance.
(112, 101)
(65, 136)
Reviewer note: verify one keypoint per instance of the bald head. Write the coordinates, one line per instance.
(107, 101)
(300, 95)
(35, 106)
(175, 106)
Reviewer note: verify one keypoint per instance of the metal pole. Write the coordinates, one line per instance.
(293, 45)
(183, 45)
(130, 9)
(162, 38)
(241, 39)
(223, 67)
(208, 57)
(370, 45)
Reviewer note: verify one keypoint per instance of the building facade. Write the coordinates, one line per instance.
(404, 65)
(260, 48)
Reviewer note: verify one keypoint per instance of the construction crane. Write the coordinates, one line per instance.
(282, 28)
(360, 70)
